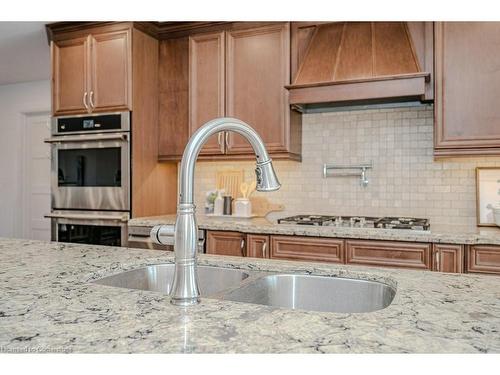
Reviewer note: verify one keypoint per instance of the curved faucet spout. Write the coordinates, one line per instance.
(185, 290)
(266, 177)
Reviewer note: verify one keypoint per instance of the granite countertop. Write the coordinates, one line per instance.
(486, 236)
(48, 304)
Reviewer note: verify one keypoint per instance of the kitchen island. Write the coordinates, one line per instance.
(48, 304)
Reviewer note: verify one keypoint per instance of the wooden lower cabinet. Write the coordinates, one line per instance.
(388, 254)
(483, 259)
(448, 258)
(226, 243)
(257, 246)
(307, 249)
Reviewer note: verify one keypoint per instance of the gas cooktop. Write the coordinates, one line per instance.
(358, 221)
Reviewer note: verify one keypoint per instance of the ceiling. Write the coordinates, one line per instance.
(24, 52)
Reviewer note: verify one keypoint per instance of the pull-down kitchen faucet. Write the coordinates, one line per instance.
(184, 235)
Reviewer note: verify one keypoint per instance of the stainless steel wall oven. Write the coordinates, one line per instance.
(90, 177)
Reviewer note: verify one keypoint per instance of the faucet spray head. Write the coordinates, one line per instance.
(266, 177)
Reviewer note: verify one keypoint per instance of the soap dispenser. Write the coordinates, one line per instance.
(219, 204)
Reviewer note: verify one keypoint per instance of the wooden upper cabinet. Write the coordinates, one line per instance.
(110, 72)
(258, 68)
(70, 64)
(92, 73)
(206, 86)
(467, 115)
(226, 243)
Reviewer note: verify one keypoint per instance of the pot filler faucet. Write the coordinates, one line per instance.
(184, 234)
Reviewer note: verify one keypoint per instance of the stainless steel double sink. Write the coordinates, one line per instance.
(290, 291)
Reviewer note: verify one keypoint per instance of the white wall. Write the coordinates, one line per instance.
(15, 101)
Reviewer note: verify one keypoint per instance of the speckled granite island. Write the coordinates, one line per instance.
(48, 304)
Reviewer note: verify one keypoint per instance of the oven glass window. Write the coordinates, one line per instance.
(89, 234)
(90, 167)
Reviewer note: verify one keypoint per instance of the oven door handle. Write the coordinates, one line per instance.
(122, 218)
(104, 137)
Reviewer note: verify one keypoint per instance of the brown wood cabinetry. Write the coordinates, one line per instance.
(307, 249)
(92, 73)
(389, 254)
(258, 68)
(110, 87)
(206, 86)
(483, 259)
(70, 66)
(103, 67)
(448, 258)
(241, 72)
(257, 246)
(467, 115)
(226, 243)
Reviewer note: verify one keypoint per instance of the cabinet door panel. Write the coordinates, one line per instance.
(206, 86)
(225, 243)
(257, 246)
(70, 60)
(448, 258)
(389, 254)
(483, 259)
(307, 249)
(111, 74)
(258, 68)
(467, 87)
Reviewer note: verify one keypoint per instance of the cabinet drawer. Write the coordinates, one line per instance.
(307, 248)
(389, 253)
(483, 259)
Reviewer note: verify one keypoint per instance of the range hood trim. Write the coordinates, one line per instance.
(389, 88)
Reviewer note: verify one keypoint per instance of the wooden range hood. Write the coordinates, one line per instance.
(358, 62)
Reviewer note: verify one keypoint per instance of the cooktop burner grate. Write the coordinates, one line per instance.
(408, 223)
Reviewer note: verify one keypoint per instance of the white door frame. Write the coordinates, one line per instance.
(23, 226)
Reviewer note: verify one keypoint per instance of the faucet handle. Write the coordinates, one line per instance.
(163, 234)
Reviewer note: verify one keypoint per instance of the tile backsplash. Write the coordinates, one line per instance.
(405, 179)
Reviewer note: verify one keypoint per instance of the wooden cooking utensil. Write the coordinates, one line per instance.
(230, 181)
(261, 206)
(251, 188)
(244, 189)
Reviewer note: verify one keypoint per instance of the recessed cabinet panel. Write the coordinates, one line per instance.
(467, 119)
(483, 259)
(258, 68)
(69, 76)
(257, 246)
(307, 249)
(448, 258)
(389, 254)
(226, 243)
(110, 87)
(206, 86)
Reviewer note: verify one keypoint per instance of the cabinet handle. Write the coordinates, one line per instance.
(85, 101)
(437, 260)
(226, 140)
(264, 246)
(219, 140)
(242, 247)
(91, 99)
